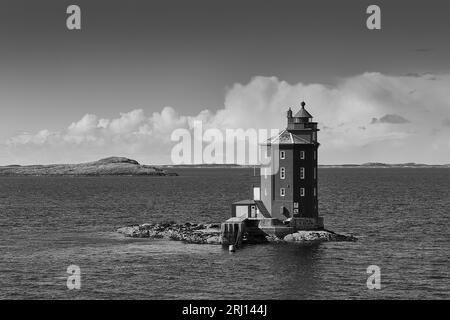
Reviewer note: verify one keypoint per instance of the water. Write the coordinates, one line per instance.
(48, 223)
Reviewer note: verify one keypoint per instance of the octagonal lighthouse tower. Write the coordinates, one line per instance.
(291, 191)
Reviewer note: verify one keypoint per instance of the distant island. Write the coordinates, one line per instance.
(350, 165)
(387, 165)
(112, 166)
(209, 165)
(121, 166)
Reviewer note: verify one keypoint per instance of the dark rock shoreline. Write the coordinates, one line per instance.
(188, 232)
(210, 233)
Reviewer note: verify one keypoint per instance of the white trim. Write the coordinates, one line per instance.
(276, 138)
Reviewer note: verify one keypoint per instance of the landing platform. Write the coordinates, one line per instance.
(256, 230)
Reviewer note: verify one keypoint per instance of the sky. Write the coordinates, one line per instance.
(138, 70)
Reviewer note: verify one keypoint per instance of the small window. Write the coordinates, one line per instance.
(315, 192)
(302, 173)
(265, 191)
(282, 192)
(302, 192)
(295, 204)
(302, 155)
(282, 155)
(282, 173)
(315, 173)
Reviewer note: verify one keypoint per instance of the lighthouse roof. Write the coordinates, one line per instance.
(286, 137)
(302, 113)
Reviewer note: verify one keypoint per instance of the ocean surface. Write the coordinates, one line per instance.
(400, 216)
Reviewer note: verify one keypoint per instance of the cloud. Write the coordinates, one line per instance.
(342, 111)
(390, 118)
(446, 122)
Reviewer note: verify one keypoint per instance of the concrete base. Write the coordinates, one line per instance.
(255, 230)
(232, 231)
(305, 223)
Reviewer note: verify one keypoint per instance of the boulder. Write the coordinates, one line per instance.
(319, 235)
(213, 240)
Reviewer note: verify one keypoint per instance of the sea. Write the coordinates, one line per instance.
(399, 215)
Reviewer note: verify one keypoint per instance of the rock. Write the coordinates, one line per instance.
(128, 231)
(210, 234)
(319, 235)
(272, 238)
(212, 225)
(213, 240)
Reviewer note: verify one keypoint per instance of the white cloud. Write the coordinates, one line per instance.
(344, 112)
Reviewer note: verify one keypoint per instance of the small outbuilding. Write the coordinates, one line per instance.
(250, 209)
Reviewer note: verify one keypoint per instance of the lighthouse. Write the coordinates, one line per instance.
(287, 199)
(291, 191)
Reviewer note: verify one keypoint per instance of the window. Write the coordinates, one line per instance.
(302, 173)
(282, 192)
(302, 155)
(265, 173)
(265, 191)
(253, 212)
(282, 173)
(315, 173)
(295, 204)
(282, 155)
(302, 192)
(315, 192)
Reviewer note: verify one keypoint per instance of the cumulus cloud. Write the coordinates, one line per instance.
(342, 110)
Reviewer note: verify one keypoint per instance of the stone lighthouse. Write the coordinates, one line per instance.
(291, 191)
(286, 200)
